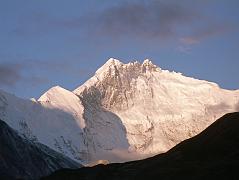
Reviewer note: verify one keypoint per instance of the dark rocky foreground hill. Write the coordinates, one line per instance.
(213, 154)
(23, 159)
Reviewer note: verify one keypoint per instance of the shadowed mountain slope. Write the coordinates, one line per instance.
(213, 154)
(23, 159)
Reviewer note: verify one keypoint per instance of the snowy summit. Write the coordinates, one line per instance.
(124, 112)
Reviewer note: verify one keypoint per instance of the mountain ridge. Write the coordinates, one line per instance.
(145, 109)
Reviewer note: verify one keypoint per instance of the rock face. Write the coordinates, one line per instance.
(158, 108)
(23, 159)
(124, 112)
(213, 154)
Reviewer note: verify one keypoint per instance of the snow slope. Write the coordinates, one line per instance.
(22, 159)
(124, 112)
(158, 108)
(48, 122)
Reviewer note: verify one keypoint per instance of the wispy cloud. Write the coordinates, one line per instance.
(200, 34)
(184, 49)
(71, 68)
(10, 74)
(149, 19)
(207, 31)
(189, 40)
(145, 19)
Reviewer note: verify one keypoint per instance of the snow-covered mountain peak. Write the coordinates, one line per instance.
(64, 101)
(113, 61)
(109, 65)
(115, 73)
(146, 98)
(113, 68)
(124, 108)
(55, 93)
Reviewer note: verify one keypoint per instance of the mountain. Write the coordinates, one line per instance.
(57, 128)
(124, 112)
(213, 154)
(23, 159)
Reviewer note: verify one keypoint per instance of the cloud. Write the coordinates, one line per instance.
(150, 20)
(36, 72)
(184, 22)
(10, 74)
(144, 19)
(189, 40)
(203, 33)
(184, 49)
(68, 67)
(207, 31)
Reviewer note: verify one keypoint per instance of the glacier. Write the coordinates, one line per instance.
(124, 112)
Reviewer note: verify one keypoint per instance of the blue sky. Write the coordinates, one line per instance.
(46, 43)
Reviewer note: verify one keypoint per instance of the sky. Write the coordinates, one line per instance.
(59, 42)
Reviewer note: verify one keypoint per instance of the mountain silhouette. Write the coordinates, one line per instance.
(212, 154)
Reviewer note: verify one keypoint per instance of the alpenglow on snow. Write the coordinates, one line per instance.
(124, 112)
